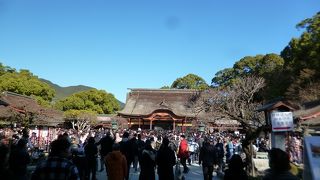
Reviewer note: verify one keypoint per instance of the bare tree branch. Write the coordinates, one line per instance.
(235, 102)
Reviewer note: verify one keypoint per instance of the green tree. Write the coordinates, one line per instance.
(81, 120)
(302, 61)
(224, 77)
(98, 101)
(190, 81)
(259, 65)
(25, 83)
(269, 67)
(165, 87)
(304, 52)
(4, 69)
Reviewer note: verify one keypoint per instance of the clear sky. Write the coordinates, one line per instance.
(118, 44)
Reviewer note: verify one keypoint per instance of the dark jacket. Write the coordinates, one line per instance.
(91, 151)
(235, 169)
(106, 145)
(285, 175)
(148, 163)
(207, 155)
(140, 146)
(19, 159)
(127, 149)
(220, 150)
(239, 174)
(165, 161)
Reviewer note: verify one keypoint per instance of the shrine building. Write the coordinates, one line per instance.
(158, 109)
(167, 109)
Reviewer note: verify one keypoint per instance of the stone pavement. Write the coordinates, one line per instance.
(195, 173)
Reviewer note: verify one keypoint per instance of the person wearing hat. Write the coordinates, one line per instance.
(207, 157)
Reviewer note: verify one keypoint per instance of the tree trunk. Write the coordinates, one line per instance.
(251, 135)
(247, 148)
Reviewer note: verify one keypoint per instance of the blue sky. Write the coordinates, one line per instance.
(120, 44)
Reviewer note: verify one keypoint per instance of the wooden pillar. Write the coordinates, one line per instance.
(174, 125)
(182, 129)
(139, 122)
(39, 136)
(150, 124)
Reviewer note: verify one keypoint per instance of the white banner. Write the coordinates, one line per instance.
(282, 121)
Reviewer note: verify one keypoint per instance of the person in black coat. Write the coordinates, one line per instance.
(91, 152)
(140, 145)
(127, 149)
(5, 174)
(166, 159)
(220, 154)
(106, 144)
(235, 169)
(148, 163)
(208, 158)
(19, 159)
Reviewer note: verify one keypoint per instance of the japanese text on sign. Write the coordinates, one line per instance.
(281, 121)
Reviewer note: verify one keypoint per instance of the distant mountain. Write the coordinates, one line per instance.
(63, 92)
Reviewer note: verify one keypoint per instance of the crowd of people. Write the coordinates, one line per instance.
(75, 155)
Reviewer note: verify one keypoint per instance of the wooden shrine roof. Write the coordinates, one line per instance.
(16, 103)
(276, 104)
(309, 114)
(143, 102)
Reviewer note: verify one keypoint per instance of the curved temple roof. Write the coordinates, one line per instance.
(143, 102)
(15, 103)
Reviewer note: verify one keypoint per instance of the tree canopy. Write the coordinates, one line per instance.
(259, 65)
(304, 52)
(98, 101)
(81, 119)
(294, 75)
(302, 61)
(4, 69)
(25, 83)
(165, 87)
(190, 81)
(266, 66)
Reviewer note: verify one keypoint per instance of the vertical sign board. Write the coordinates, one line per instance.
(281, 121)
